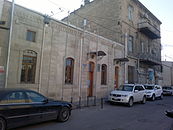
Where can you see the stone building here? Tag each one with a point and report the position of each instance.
(167, 73)
(57, 59)
(130, 23)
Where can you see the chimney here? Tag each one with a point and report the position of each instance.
(86, 2)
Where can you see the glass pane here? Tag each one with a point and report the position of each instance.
(34, 97)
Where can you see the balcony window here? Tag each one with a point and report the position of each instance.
(130, 12)
(142, 47)
(130, 44)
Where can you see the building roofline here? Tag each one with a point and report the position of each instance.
(67, 24)
(136, 1)
(147, 10)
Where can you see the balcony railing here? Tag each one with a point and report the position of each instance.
(149, 30)
(150, 59)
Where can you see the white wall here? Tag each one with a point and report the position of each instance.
(1, 6)
(167, 73)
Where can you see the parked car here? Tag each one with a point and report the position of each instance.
(168, 90)
(20, 107)
(169, 113)
(128, 94)
(153, 91)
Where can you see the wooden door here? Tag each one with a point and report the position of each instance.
(91, 78)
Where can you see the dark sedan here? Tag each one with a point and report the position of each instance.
(20, 107)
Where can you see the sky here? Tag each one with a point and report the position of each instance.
(162, 9)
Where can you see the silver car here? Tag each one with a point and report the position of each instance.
(128, 94)
(167, 90)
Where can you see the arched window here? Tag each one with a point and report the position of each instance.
(28, 66)
(104, 74)
(69, 69)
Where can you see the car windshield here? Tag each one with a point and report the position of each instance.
(126, 88)
(149, 87)
(168, 88)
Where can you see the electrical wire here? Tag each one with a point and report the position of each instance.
(83, 17)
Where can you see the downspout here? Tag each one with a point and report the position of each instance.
(9, 44)
(45, 22)
(80, 64)
(96, 68)
(125, 56)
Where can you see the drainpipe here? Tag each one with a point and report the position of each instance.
(9, 43)
(96, 68)
(81, 56)
(125, 55)
(45, 23)
(80, 65)
(64, 59)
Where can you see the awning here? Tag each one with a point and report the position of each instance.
(98, 53)
(121, 59)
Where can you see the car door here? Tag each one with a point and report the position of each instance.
(15, 108)
(156, 89)
(142, 92)
(160, 91)
(35, 100)
(42, 109)
(136, 94)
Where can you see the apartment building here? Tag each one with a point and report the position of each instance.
(167, 73)
(130, 23)
(55, 58)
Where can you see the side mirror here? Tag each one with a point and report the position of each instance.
(136, 91)
(45, 101)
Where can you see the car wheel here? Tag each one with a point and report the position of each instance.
(153, 97)
(2, 124)
(130, 103)
(144, 100)
(161, 96)
(64, 114)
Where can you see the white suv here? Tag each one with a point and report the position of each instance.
(153, 91)
(128, 93)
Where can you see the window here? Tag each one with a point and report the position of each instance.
(130, 44)
(69, 69)
(14, 97)
(104, 75)
(28, 67)
(35, 97)
(142, 47)
(130, 12)
(131, 74)
(30, 36)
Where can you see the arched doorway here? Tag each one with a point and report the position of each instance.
(116, 77)
(91, 78)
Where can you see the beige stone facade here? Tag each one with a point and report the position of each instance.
(130, 23)
(1, 6)
(167, 73)
(53, 43)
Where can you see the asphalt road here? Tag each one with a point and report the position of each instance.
(149, 116)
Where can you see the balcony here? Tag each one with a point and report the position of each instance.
(150, 59)
(149, 30)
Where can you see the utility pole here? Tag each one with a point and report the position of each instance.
(9, 44)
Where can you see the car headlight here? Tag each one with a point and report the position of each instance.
(124, 95)
(111, 94)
